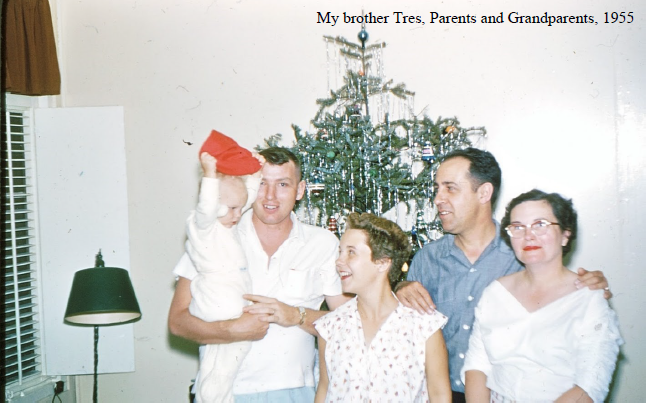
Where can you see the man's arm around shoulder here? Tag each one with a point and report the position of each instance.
(413, 295)
(181, 323)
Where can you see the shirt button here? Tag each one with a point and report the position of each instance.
(473, 269)
(465, 327)
(470, 298)
(458, 382)
(461, 355)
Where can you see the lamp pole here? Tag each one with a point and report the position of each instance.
(95, 393)
(98, 262)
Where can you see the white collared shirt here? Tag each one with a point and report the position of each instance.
(301, 273)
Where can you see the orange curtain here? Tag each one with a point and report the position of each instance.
(31, 64)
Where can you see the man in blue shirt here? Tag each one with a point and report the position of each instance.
(451, 272)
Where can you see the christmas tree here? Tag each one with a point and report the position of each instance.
(367, 150)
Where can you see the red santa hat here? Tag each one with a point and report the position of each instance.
(231, 158)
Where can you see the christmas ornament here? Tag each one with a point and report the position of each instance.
(363, 36)
(316, 186)
(402, 275)
(331, 224)
(450, 129)
(427, 152)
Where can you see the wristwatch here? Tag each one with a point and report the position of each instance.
(302, 311)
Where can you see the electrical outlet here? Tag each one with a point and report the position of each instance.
(58, 387)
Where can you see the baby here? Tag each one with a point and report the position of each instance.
(222, 278)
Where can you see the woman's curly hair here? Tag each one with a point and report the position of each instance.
(385, 240)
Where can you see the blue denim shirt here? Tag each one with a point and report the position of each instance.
(456, 286)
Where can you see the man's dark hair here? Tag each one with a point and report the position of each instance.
(562, 208)
(483, 168)
(280, 156)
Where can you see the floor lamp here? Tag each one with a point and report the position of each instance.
(101, 296)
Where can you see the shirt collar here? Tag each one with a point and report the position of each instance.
(499, 243)
(296, 233)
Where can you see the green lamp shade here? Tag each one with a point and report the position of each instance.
(102, 296)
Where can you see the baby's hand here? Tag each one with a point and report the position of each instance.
(262, 161)
(208, 164)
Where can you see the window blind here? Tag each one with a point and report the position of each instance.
(21, 330)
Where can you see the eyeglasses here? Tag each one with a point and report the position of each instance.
(538, 228)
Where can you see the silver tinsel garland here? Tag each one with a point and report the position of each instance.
(367, 151)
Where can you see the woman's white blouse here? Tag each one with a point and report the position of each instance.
(540, 355)
(391, 368)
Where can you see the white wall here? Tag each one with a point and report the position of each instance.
(565, 108)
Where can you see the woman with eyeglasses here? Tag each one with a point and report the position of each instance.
(536, 337)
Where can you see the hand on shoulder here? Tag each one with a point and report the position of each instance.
(413, 295)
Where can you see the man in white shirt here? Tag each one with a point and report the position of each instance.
(292, 271)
